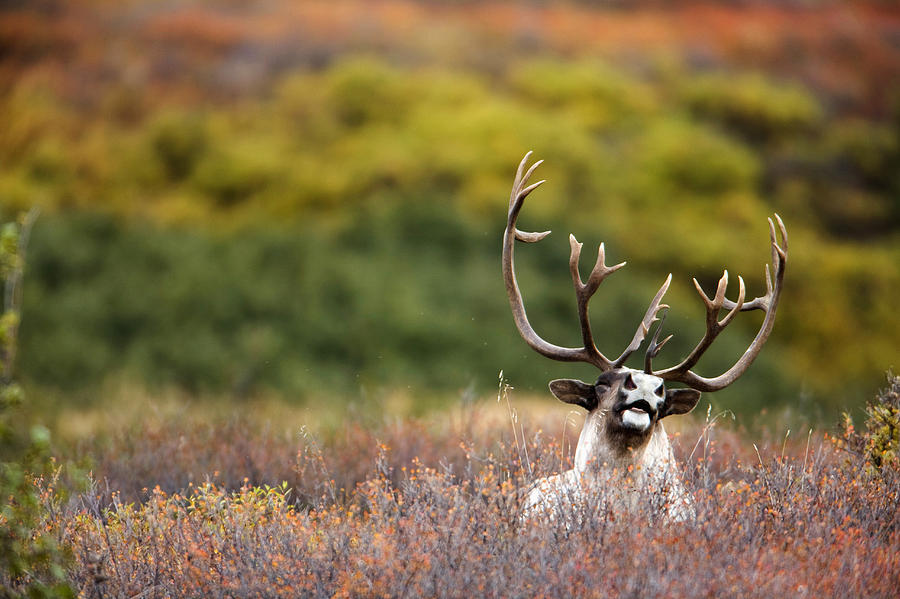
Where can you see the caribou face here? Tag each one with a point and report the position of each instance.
(624, 405)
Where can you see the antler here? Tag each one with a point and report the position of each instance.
(768, 303)
(583, 291)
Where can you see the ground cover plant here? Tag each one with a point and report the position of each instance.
(429, 507)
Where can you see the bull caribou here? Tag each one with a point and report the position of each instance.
(623, 454)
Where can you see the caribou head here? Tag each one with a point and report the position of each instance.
(625, 406)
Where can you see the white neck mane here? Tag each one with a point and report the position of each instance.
(618, 479)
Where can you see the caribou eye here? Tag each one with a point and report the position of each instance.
(660, 390)
(629, 382)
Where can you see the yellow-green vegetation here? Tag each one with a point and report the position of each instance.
(32, 561)
(878, 444)
(343, 230)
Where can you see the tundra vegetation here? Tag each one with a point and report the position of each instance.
(429, 507)
(256, 216)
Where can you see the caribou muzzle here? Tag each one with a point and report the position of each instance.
(637, 414)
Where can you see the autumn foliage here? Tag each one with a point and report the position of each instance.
(364, 516)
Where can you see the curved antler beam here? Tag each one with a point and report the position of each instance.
(589, 352)
(584, 291)
(768, 303)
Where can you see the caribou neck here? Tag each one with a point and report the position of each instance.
(595, 454)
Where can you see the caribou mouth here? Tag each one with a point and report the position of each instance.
(641, 406)
(637, 415)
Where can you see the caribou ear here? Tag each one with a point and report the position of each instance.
(680, 401)
(575, 392)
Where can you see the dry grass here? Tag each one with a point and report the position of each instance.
(429, 508)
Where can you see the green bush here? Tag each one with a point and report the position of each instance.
(178, 141)
(753, 105)
(352, 173)
(406, 296)
(878, 445)
(32, 561)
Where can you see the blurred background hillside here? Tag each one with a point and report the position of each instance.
(305, 200)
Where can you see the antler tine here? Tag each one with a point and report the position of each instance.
(655, 345)
(768, 303)
(779, 255)
(714, 326)
(589, 352)
(518, 194)
(644, 326)
(517, 200)
(518, 180)
(600, 270)
(584, 291)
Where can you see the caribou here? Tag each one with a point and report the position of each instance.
(623, 456)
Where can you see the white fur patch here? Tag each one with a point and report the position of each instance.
(637, 419)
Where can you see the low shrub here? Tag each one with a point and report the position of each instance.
(877, 446)
(369, 518)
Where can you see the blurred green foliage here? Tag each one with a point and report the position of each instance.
(32, 559)
(753, 106)
(344, 229)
